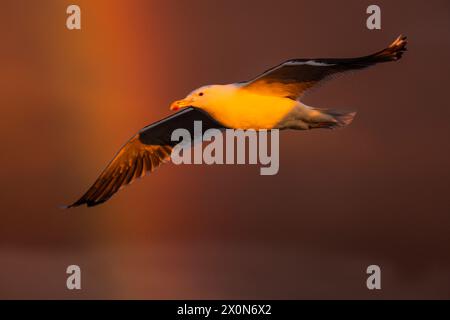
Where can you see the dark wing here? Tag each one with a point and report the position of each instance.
(293, 77)
(146, 151)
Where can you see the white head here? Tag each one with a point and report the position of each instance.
(202, 97)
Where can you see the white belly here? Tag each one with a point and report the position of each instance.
(245, 110)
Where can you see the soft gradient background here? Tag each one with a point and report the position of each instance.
(376, 192)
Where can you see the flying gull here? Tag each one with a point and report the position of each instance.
(269, 101)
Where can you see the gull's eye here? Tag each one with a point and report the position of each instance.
(200, 94)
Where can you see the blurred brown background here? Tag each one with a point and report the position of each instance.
(376, 192)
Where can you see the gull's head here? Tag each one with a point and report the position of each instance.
(202, 98)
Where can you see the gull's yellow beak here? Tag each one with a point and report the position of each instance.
(180, 104)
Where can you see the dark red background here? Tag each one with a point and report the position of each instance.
(376, 192)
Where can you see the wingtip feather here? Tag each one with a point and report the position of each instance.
(395, 50)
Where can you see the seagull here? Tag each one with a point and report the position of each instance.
(269, 101)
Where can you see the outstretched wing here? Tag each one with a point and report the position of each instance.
(143, 153)
(293, 77)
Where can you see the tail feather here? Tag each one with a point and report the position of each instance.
(335, 119)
